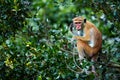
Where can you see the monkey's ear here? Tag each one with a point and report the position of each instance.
(84, 20)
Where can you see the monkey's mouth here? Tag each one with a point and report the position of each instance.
(78, 27)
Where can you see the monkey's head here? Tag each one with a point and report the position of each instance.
(78, 22)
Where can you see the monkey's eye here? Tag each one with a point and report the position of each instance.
(77, 22)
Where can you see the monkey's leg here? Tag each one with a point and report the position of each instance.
(80, 48)
(89, 51)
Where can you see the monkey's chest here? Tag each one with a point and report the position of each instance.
(80, 33)
(91, 43)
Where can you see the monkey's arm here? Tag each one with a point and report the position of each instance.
(85, 38)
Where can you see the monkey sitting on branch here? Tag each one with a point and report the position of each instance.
(88, 37)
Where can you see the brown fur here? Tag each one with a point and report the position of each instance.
(89, 30)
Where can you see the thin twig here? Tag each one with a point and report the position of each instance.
(81, 70)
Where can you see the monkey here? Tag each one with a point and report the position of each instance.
(88, 38)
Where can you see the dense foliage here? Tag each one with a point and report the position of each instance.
(35, 41)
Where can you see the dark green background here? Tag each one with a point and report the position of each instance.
(35, 39)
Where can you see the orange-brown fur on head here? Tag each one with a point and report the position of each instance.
(78, 19)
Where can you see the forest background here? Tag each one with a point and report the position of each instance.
(35, 41)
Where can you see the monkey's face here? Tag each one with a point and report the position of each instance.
(78, 22)
(78, 25)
